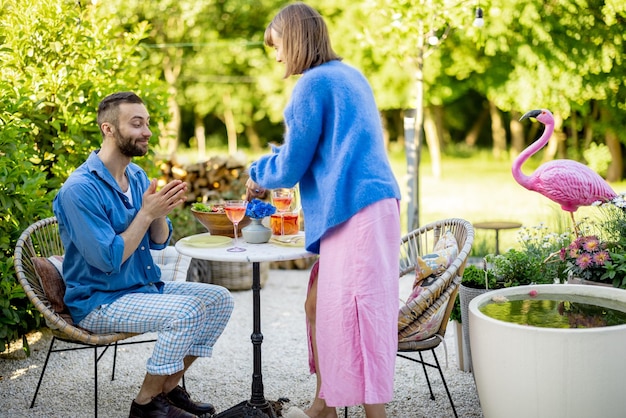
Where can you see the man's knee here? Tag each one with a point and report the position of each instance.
(223, 298)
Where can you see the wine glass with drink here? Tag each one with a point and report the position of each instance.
(282, 198)
(235, 210)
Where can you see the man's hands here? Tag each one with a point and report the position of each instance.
(155, 206)
(158, 204)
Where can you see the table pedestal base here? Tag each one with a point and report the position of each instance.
(257, 405)
(246, 409)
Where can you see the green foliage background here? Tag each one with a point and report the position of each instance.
(58, 61)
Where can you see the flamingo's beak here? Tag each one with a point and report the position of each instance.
(531, 114)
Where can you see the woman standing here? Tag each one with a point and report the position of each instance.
(334, 149)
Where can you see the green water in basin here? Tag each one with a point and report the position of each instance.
(557, 311)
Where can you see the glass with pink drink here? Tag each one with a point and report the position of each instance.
(235, 210)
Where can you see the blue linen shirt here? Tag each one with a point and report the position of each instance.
(92, 212)
(333, 147)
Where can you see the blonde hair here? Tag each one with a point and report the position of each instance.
(306, 43)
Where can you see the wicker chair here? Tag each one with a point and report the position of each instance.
(435, 299)
(42, 240)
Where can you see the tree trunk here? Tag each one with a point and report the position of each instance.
(384, 123)
(442, 132)
(589, 124)
(517, 135)
(168, 141)
(229, 122)
(433, 141)
(396, 120)
(498, 132)
(200, 134)
(574, 140)
(414, 136)
(616, 167)
(253, 137)
(472, 136)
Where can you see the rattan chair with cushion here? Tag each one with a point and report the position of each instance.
(37, 257)
(423, 320)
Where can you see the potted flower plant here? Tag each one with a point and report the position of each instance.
(597, 254)
(256, 232)
(586, 258)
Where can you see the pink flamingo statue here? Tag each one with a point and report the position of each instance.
(566, 182)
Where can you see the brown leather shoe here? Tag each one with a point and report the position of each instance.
(158, 407)
(180, 397)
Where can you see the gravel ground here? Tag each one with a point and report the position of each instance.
(225, 380)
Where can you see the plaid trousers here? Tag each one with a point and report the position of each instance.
(187, 317)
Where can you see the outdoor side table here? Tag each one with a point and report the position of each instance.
(497, 226)
(257, 405)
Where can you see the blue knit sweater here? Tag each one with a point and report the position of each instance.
(333, 147)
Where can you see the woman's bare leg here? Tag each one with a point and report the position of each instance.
(318, 409)
(375, 410)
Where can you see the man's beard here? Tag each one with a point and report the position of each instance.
(127, 146)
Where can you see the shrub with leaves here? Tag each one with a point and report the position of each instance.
(517, 268)
(544, 246)
(60, 60)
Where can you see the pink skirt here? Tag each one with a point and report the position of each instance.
(357, 307)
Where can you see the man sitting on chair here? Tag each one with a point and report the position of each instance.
(110, 217)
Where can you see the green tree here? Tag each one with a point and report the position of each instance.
(210, 54)
(59, 59)
(565, 55)
(413, 32)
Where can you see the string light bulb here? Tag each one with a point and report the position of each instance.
(479, 22)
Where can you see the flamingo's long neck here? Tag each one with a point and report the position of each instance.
(516, 168)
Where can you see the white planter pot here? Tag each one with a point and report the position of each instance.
(458, 337)
(466, 294)
(525, 371)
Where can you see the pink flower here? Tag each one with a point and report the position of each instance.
(584, 260)
(586, 257)
(601, 257)
(591, 244)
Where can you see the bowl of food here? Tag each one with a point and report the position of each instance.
(214, 219)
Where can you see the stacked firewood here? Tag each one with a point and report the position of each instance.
(219, 178)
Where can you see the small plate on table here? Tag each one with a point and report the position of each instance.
(288, 240)
(205, 240)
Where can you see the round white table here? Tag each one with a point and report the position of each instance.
(257, 405)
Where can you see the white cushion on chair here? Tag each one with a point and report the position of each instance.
(173, 264)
